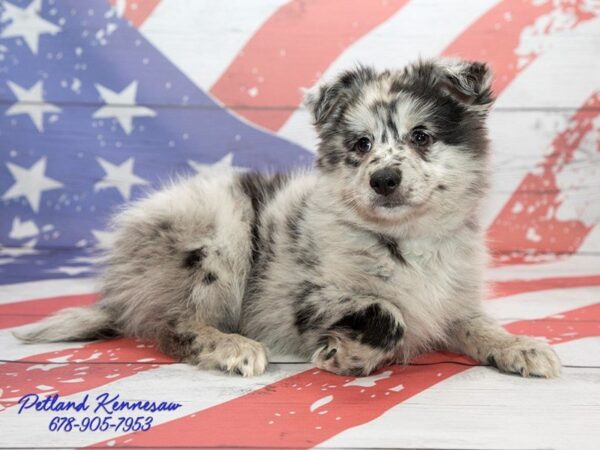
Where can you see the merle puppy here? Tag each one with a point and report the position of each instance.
(372, 258)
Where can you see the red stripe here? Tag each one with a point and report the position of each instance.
(496, 35)
(507, 19)
(20, 378)
(21, 313)
(501, 289)
(280, 415)
(138, 11)
(525, 211)
(292, 49)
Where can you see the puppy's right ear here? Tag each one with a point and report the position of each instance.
(321, 101)
(326, 100)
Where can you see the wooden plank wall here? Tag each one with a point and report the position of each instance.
(252, 59)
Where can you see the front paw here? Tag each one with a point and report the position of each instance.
(242, 356)
(344, 356)
(526, 356)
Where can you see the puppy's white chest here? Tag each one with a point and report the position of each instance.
(425, 289)
(427, 272)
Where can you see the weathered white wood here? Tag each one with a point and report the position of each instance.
(582, 352)
(592, 243)
(422, 28)
(11, 349)
(534, 305)
(202, 37)
(482, 409)
(10, 293)
(561, 76)
(570, 266)
(521, 145)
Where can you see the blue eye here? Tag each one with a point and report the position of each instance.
(363, 145)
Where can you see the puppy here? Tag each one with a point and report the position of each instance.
(372, 258)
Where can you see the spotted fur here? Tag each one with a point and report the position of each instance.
(353, 270)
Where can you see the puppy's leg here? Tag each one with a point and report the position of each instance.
(361, 341)
(483, 339)
(206, 347)
(177, 272)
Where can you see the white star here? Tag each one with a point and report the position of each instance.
(26, 23)
(224, 165)
(30, 102)
(30, 182)
(122, 106)
(120, 177)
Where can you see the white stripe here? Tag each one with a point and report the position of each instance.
(481, 408)
(562, 76)
(12, 349)
(421, 28)
(195, 389)
(572, 266)
(519, 141)
(580, 352)
(10, 293)
(535, 305)
(203, 37)
(592, 244)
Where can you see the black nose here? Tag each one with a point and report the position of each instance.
(385, 181)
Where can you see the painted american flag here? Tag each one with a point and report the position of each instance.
(101, 100)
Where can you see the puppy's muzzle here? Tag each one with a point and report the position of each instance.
(385, 181)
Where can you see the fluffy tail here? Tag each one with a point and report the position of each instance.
(71, 324)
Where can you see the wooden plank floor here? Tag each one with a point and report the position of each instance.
(441, 401)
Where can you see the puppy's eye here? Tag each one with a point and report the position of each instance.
(363, 145)
(420, 138)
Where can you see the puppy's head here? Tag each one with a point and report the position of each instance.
(398, 144)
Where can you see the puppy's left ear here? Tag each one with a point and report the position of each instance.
(470, 82)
